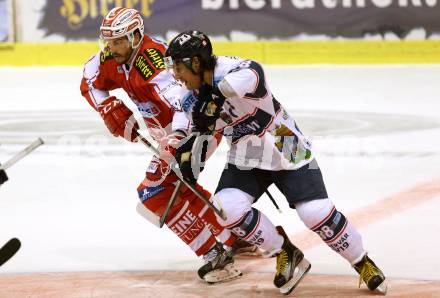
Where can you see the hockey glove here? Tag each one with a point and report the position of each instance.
(168, 145)
(189, 160)
(117, 118)
(207, 109)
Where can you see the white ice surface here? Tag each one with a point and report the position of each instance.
(376, 132)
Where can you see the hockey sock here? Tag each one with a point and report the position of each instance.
(332, 226)
(255, 228)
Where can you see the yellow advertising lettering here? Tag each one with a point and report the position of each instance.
(68, 10)
(105, 55)
(143, 67)
(105, 5)
(77, 11)
(155, 57)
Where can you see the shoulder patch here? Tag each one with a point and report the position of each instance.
(143, 67)
(105, 55)
(155, 57)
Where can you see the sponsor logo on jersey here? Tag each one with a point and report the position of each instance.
(152, 167)
(155, 57)
(147, 109)
(188, 227)
(105, 55)
(143, 67)
(254, 124)
(149, 192)
(249, 126)
(167, 88)
(188, 100)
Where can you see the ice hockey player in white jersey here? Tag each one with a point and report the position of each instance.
(230, 95)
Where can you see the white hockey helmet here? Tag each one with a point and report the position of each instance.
(120, 22)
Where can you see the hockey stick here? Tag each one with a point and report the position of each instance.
(176, 170)
(9, 249)
(17, 157)
(170, 203)
(273, 200)
(22, 153)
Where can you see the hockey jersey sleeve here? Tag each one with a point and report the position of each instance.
(245, 81)
(96, 84)
(171, 92)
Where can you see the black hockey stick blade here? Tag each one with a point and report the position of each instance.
(3, 176)
(9, 249)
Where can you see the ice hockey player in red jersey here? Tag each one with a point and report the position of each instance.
(231, 96)
(133, 61)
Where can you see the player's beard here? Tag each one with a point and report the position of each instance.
(123, 59)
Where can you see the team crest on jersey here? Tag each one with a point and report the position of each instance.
(143, 67)
(288, 144)
(155, 57)
(105, 55)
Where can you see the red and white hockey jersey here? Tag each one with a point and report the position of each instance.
(146, 81)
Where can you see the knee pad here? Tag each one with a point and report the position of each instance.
(235, 203)
(247, 222)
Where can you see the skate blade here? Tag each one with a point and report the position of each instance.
(228, 273)
(300, 271)
(382, 288)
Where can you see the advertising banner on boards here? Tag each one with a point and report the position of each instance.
(4, 21)
(80, 19)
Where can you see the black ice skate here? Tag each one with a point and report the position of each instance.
(244, 248)
(291, 266)
(219, 266)
(371, 275)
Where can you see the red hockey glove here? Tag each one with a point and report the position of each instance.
(117, 118)
(168, 145)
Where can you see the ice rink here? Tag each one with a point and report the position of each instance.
(376, 135)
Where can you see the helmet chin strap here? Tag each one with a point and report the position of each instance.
(133, 47)
(131, 40)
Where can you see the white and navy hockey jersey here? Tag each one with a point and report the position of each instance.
(259, 130)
